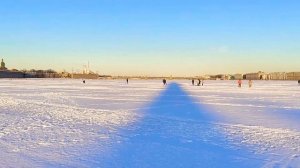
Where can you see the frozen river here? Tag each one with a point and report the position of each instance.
(103, 123)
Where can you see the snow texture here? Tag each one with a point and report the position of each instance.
(108, 123)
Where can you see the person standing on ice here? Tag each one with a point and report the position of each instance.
(164, 81)
(199, 82)
(127, 80)
(298, 82)
(83, 81)
(250, 83)
(193, 82)
(240, 83)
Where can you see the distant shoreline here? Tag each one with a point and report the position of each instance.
(14, 74)
(124, 78)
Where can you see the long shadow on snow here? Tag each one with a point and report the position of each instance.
(174, 132)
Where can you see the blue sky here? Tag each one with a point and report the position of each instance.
(151, 37)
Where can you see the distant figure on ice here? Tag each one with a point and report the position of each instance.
(240, 83)
(193, 82)
(164, 81)
(199, 82)
(250, 83)
(83, 81)
(127, 80)
(298, 82)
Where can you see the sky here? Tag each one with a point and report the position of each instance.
(151, 37)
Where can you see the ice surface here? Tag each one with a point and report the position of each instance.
(107, 123)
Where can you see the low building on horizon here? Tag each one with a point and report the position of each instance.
(84, 76)
(5, 73)
(238, 76)
(293, 76)
(257, 76)
(222, 77)
(278, 76)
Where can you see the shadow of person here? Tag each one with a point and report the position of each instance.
(175, 103)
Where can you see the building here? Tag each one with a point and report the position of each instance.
(293, 76)
(238, 76)
(220, 77)
(65, 75)
(84, 76)
(277, 76)
(11, 74)
(2, 67)
(14, 73)
(257, 76)
(202, 77)
(4, 73)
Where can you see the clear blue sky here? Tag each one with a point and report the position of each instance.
(151, 37)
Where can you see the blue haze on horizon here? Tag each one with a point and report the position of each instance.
(151, 37)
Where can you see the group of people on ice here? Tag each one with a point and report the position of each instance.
(200, 82)
(240, 82)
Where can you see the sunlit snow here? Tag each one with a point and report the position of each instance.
(107, 123)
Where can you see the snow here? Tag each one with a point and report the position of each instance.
(107, 123)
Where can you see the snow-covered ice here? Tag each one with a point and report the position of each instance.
(107, 123)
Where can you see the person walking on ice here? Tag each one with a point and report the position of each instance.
(164, 81)
(193, 82)
(250, 83)
(240, 83)
(199, 82)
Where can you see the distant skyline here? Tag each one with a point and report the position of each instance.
(151, 37)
